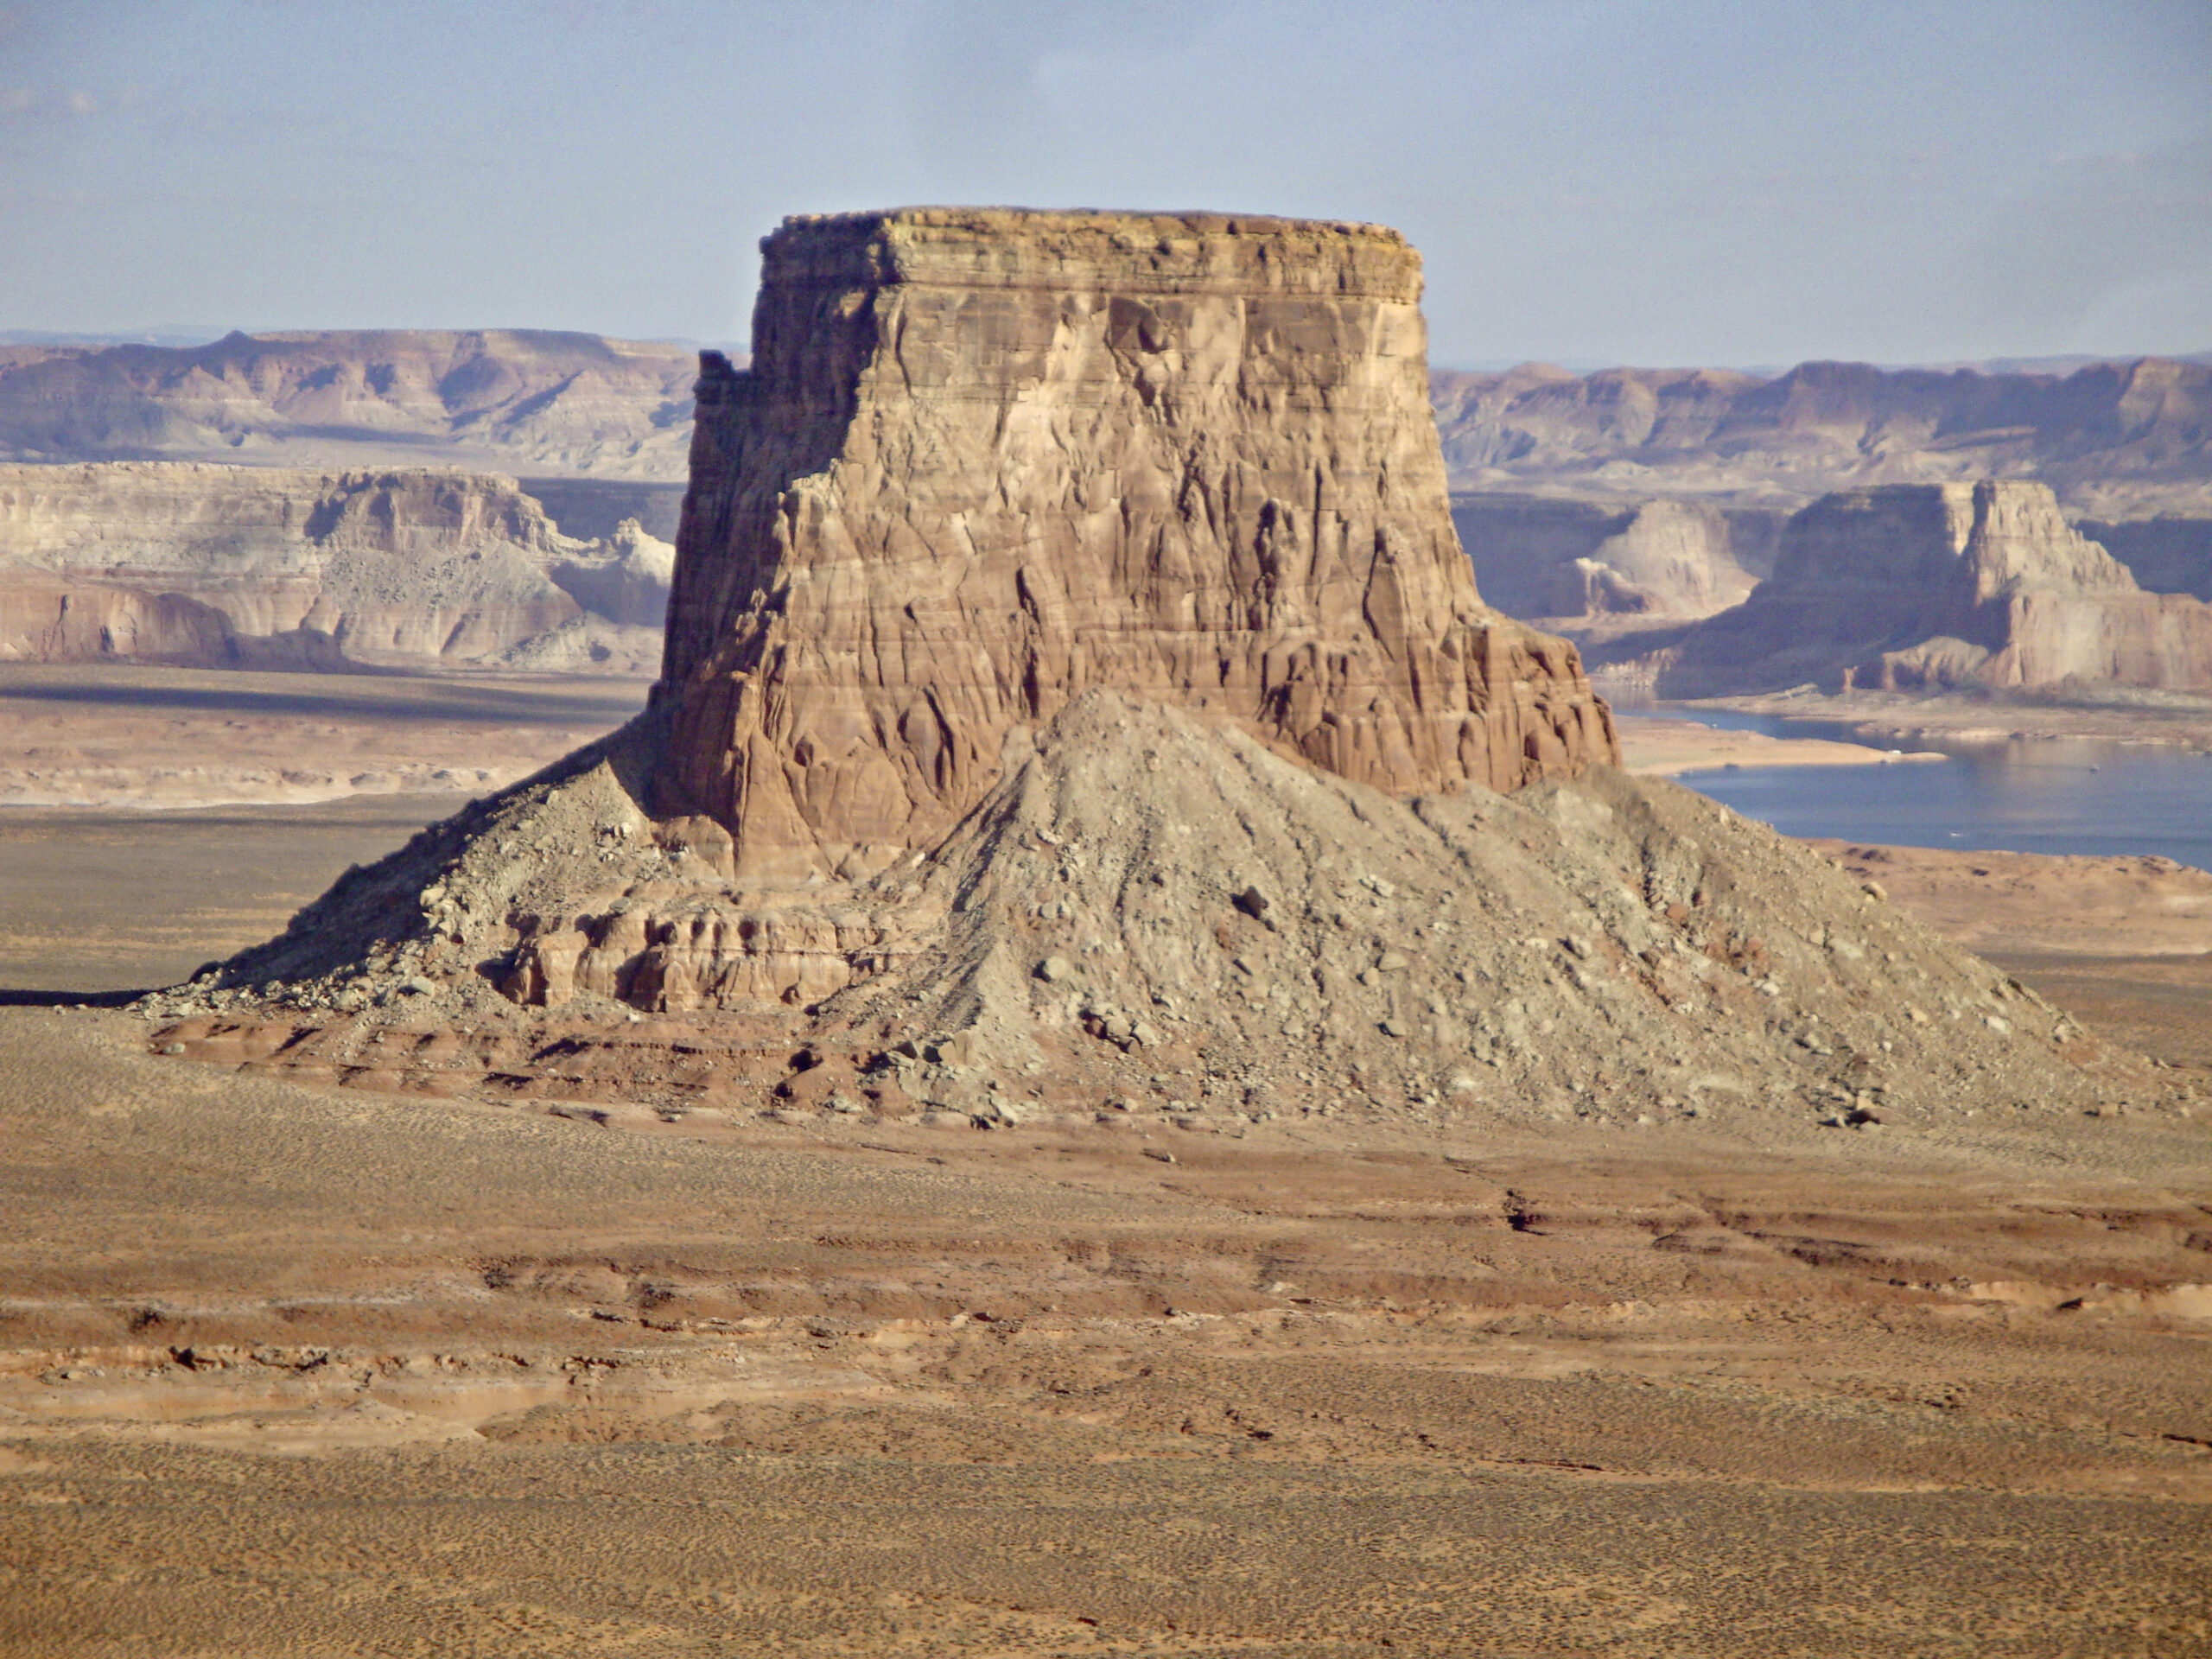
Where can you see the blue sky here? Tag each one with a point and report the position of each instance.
(1590, 183)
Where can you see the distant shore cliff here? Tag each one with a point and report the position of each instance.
(274, 567)
(1934, 586)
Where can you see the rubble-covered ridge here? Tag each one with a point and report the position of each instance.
(984, 461)
(1153, 909)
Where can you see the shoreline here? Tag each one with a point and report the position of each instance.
(2169, 720)
(1666, 745)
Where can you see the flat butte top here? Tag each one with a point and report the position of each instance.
(1025, 247)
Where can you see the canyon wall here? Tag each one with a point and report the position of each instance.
(238, 566)
(984, 461)
(2115, 440)
(503, 400)
(1566, 561)
(1930, 587)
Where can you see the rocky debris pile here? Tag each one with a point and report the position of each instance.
(984, 461)
(1144, 884)
(1934, 586)
(1152, 912)
(266, 567)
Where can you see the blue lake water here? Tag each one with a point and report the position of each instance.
(2021, 795)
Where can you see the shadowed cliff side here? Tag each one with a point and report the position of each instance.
(986, 459)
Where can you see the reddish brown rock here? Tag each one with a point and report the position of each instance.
(984, 461)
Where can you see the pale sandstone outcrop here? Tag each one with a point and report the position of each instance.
(1562, 561)
(265, 566)
(1931, 586)
(625, 578)
(986, 460)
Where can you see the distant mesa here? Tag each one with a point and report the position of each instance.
(1934, 586)
(233, 567)
(513, 401)
(2114, 440)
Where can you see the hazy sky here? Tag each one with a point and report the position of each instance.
(1685, 182)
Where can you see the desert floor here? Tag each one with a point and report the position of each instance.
(137, 737)
(291, 1372)
(1887, 719)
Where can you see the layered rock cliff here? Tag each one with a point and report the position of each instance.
(1569, 561)
(2116, 439)
(984, 461)
(223, 566)
(1927, 587)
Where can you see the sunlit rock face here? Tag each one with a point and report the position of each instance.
(984, 459)
(1931, 586)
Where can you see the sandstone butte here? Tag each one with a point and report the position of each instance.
(1931, 586)
(1102, 567)
(984, 461)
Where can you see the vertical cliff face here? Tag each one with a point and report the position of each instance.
(226, 566)
(1925, 586)
(984, 461)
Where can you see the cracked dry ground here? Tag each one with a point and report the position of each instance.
(294, 1372)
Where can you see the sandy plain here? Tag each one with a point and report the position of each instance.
(146, 737)
(1668, 747)
(295, 1371)
(1884, 719)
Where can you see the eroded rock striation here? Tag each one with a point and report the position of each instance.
(1926, 587)
(984, 461)
(273, 567)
